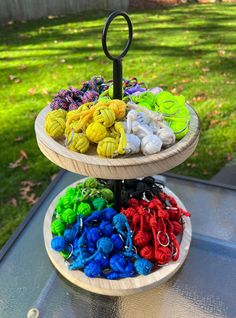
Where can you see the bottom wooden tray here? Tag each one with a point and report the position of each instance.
(125, 286)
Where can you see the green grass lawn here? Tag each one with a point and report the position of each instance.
(185, 49)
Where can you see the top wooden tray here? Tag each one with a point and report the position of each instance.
(130, 167)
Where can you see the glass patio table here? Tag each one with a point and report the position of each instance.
(204, 287)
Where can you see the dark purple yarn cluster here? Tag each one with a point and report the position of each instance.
(72, 98)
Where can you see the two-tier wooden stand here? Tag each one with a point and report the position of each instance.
(117, 169)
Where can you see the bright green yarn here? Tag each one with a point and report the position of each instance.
(107, 194)
(57, 227)
(65, 254)
(91, 183)
(180, 126)
(99, 203)
(146, 99)
(84, 209)
(70, 192)
(69, 216)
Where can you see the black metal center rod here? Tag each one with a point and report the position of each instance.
(117, 78)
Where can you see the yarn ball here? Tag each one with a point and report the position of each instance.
(177, 227)
(118, 243)
(93, 235)
(96, 132)
(93, 269)
(69, 216)
(91, 183)
(57, 227)
(167, 136)
(148, 252)
(106, 228)
(102, 259)
(78, 264)
(84, 209)
(133, 144)
(89, 96)
(107, 194)
(119, 221)
(141, 238)
(99, 203)
(55, 123)
(118, 263)
(69, 235)
(151, 144)
(143, 266)
(108, 214)
(78, 142)
(104, 115)
(118, 107)
(105, 245)
(107, 147)
(58, 243)
(163, 255)
(179, 125)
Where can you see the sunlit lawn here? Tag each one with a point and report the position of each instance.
(186, 49)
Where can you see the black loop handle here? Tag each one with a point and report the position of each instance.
(111, 17)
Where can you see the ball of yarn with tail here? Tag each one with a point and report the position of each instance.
(93, 235)
(99, 203)
(141, 238)
(179, 125)
(55, 123)
(105, 245)
(106, 228)
(163, 255)
(133, 144)
(118, 263)
(148, 252)
(69, 216)
(78, 142)
(89, 96)
(151, 144)
(96, 132)
(84, 209)
(91, 183)
(104, 116)
(58, 243)
(108, 147)
(57, 227)
(107, 194)
(143, 266)
(119, 108)
(93, 269)
(117, 242)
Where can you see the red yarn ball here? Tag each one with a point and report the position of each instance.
(148, 252)
(163, 255)
(129, 213)
(141, 238)
(177, 227)
(133, 202)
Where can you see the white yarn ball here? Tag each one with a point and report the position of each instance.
(141, 130)
(142, 118)
(131, 117)
(133, 144)
(151, 144)
(167, 136)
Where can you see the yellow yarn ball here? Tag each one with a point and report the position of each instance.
(104, 116)
(55, 123)
(119, 108)
(96, 132)
(78, 142)
(107, 147)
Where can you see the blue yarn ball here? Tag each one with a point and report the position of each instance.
(93, 269)
(58, 243)
(91, 247)
(69, 235)
(93, 235)
(118, 263)
(117, 242)
(108, 214)
(103, 260)
(143, 266)
(129, 268)
(106, 228)
(119, 221)
(78, 264)
(105, 245)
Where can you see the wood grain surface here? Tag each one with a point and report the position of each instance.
(134, 166)
(122, 287)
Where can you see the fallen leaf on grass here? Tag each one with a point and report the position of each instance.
(17, 163)
(88, 58)
(205, 69)
(229, 157)
(19, 138)
(32, 91)
(22, 67)
(26, 191)
(25, 167)
(12, 77)
(200, 97)
(45, 91)
(13, 202)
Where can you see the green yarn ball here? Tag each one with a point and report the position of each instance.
(70, 192)
(180, 126)
(107, 194)
(57, 227)
(91, 183)
(67, 201)
(69, 216)
(99, 203)
(84, 209)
